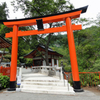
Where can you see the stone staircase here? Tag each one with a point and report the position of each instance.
(40, 83)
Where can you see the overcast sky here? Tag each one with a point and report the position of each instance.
(92, 11)
(93, 7)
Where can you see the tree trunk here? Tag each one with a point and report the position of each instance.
(46, 55)
(47, 46)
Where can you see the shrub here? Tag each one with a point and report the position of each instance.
(87, 80)
(4, 81)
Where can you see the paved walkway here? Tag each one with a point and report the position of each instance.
(87, 95)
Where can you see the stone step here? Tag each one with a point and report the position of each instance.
(46, 87)
(34, 75)
(37, 75)
(40, 83)
(46, 83)
(30, 79)
(48, 91)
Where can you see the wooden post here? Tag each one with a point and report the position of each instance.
(73, 58)
(13, 69)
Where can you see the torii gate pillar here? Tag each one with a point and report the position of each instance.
(13, 69)
(73, 58)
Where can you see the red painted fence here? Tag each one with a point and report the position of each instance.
(5, 70)
(86, 78)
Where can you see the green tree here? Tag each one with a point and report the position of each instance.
(3, 11)
(43, 7)
(88, 48)
(87, 43)
(25, 45)
(3, 16)
(3, 29)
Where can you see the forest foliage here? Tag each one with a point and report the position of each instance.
(87, 49)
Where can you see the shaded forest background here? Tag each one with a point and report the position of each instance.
(87, 41)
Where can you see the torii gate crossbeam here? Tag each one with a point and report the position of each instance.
(39, 21)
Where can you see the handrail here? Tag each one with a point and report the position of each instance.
(64, 74)
(67, 80)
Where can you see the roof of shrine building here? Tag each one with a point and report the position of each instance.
(41, 48)
(4, 43)
(82, 9)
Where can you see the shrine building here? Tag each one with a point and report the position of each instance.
(38, 54)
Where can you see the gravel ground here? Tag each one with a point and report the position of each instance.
(86, 95)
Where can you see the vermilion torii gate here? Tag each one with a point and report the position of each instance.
(39, 21)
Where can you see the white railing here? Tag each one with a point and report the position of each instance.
(48, 70)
